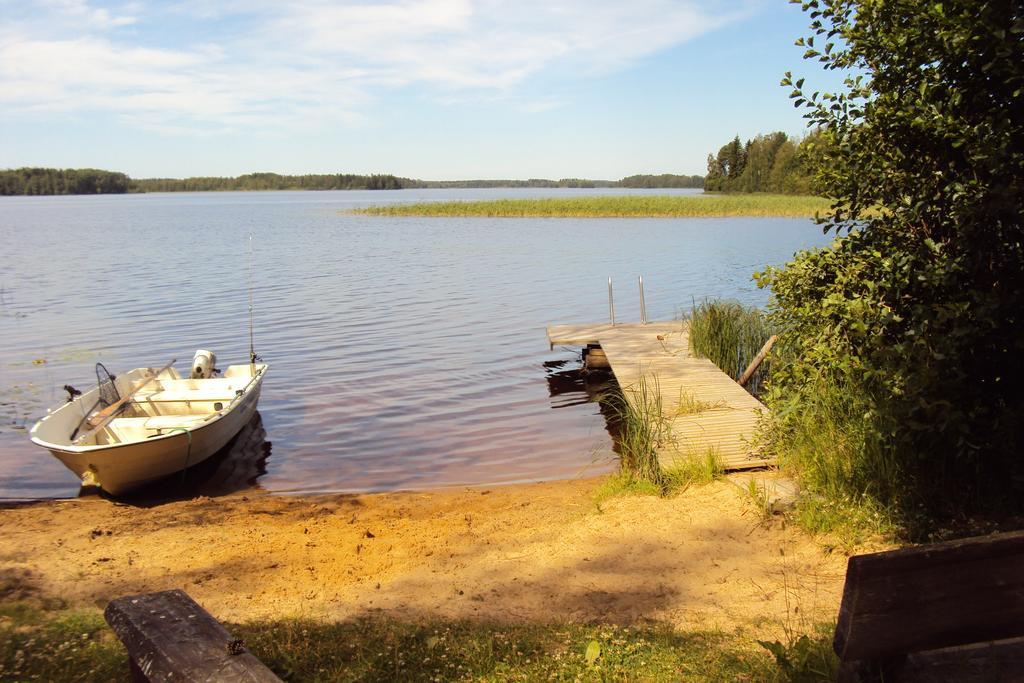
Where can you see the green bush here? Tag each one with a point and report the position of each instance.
(906, 334)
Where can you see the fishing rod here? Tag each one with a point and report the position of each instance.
(252, 348)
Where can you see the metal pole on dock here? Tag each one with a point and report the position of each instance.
(643, 306)
(611, 303)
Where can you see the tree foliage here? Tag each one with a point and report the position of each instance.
(662, 180)
(766, 163)
(35, 181)
(913, 318)
(275, 181)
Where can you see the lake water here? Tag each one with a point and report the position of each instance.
(404, 352)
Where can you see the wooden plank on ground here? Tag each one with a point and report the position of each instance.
(658, 354)
(1002, 660)
(932, 597)
(778, 492)
(169, 637)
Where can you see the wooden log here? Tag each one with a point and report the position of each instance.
(931, 597)
(169, 637)
(758, 359)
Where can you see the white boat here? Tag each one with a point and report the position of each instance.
(161, 423)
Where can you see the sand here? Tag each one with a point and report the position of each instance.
(540, 552)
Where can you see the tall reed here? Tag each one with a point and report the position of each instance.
(730, 334)
(641, 429)
(692, 206)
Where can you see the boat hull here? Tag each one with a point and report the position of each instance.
(119, 468)
(125, 467)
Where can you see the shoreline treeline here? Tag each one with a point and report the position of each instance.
(272, 181)
(53, 181)
(665, 180)
(772, 163)
(38, 181)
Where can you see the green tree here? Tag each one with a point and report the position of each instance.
(759, 158)
(765, 163)
(733, 158)
(908, 331)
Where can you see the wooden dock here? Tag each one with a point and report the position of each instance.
(659, 353)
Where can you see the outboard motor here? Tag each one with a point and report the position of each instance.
(203, 365)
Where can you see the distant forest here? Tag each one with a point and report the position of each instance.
(63, 181)
(663, 180)
(767, 163)
(46, 181)
(274, 181)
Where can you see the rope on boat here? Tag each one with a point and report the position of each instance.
(188, 451)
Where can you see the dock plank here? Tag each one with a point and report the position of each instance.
(659, 352)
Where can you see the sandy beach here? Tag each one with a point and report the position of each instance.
(540, 552)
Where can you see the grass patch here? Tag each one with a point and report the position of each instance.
(846, 522)
(703, 206)
(805, 657)
(758, 496)
(388, 650)
(624, 484)
(688, 404)
(64, 645)
(827, 438)
(694, 468)
(70, 645)
(730, 334)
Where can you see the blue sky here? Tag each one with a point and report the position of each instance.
(436, 89)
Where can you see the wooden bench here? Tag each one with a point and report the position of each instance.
(169, 637)
(944, 612)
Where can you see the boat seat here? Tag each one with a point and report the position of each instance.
(162, 421)
(136, 428)
(185, 395)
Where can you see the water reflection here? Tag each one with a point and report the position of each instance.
(234, 468)
(571, 383)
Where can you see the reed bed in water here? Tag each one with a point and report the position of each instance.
(642, 429)
(693, 206)
(730, 334)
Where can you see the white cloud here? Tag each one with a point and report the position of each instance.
(79, 11)
(538, 106)
(492, 44)
(270, 64)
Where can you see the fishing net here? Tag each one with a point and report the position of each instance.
(107, 395)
